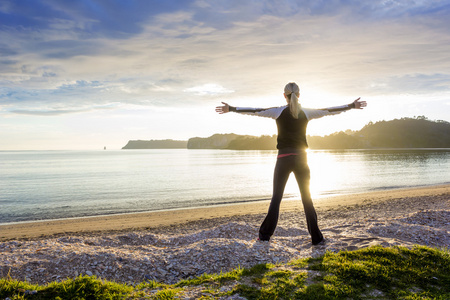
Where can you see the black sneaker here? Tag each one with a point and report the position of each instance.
(321, 242)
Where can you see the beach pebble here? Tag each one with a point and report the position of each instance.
(148, 277)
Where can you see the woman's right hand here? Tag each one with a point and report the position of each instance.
(223, 109)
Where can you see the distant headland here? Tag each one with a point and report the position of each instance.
(156, 144)
(418, 132)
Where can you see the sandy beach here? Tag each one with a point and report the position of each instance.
(172, 245)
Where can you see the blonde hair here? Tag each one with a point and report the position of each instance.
(292, 92)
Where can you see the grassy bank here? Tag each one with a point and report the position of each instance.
(371, 273)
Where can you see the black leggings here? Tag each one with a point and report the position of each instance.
(285, 165)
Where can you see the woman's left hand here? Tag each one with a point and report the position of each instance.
(359, 104)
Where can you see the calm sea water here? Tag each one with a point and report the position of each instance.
(37, 185)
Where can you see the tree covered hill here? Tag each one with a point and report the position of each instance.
(406, 132)
(416, 132)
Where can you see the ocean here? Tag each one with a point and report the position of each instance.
(43, 185)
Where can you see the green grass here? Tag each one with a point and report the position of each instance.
(82, 287)
(371, 273)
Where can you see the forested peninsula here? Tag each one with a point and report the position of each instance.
(418, 132)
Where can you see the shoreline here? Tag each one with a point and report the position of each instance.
(154, 219)
(188, 243)
(316, 200)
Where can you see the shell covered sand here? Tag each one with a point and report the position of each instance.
(168, 254)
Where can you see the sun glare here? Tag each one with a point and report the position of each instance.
(324, 172)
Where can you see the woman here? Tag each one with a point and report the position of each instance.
(292, 121)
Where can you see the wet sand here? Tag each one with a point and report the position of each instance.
(137, 221)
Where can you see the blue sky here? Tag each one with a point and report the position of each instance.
(88, 74)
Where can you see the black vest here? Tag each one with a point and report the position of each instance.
(291, 131)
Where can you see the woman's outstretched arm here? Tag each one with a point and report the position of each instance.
(273, 112)
(318, 113)
(358, 104)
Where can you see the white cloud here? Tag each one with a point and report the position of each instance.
(208, 89)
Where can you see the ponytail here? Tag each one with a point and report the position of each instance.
(292, 92)
(294, 106)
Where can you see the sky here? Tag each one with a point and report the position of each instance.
(92, 74)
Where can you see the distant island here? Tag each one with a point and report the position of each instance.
(418, 132)
(156, 144)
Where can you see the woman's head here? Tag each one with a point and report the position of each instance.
(292, 93)
(290, 88)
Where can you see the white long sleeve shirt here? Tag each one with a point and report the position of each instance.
(291, 131)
